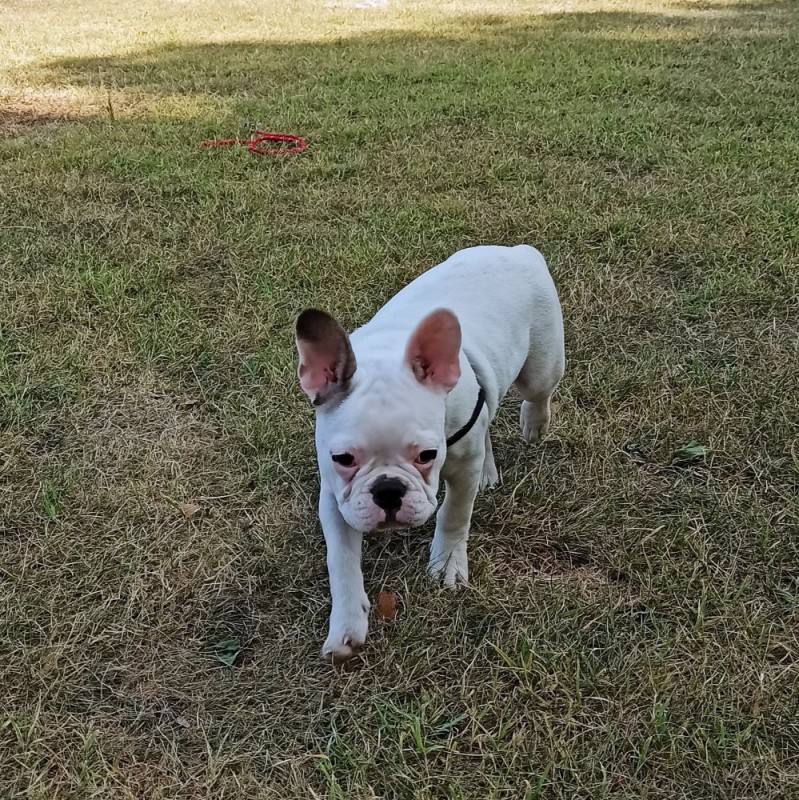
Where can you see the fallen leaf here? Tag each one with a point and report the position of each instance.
(189, 509)
(226, 650)
(182, 721)
(387, 606)
(689, 453)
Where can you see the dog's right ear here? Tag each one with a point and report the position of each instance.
(327, 362)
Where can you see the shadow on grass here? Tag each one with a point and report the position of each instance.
(573, 50)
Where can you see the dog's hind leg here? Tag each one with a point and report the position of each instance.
(534, 418)
(536, 383)
(490, 475)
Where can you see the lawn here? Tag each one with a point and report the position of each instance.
(632, 627)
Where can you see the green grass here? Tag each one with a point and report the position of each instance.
(631, 630)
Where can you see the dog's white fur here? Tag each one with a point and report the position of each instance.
(410, 380)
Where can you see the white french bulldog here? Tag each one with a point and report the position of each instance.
(409, 397)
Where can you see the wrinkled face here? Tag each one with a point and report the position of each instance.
(380, 434)
(382, 454)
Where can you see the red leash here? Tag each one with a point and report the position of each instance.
(262, 136)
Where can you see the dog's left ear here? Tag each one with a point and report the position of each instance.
(326, 359)
(433, 351)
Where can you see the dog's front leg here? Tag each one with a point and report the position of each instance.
(349, 616)
(448, 551)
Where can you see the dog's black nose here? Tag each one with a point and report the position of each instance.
(388, 493)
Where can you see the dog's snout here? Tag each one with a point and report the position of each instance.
(388, 493)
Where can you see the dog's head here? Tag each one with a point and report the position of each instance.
(380, 434)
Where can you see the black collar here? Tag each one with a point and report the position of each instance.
(458, 435)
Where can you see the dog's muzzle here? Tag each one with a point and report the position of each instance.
(387, 494)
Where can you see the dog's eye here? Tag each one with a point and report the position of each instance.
(426, 456)
(344, 459)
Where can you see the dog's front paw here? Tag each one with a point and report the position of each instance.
(339, 648)
(449, 565)
(347, 634)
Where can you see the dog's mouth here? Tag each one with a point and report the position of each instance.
(390, 524)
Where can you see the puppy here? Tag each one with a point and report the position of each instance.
(407, 400)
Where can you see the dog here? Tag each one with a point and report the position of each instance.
(407, 400)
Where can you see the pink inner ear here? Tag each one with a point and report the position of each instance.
(317, 366)
(326, 357)
(433, 351)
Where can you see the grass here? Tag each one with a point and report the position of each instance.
(631, 630)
